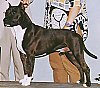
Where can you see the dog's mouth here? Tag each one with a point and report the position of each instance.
(7, 25)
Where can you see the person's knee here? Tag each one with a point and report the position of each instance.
(60, 76)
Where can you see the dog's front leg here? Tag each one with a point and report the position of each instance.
(28, 70)
(23, 59)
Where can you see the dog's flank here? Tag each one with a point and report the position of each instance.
(38, 40)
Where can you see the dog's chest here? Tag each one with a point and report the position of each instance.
(19, 34)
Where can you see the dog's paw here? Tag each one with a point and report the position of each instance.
(24, 79)
(84, 85)
(78, 82)
(87, 84)
(99, 82)
(27, 81)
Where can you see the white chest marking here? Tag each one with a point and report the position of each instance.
(19, 34)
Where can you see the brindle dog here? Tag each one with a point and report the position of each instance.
(38, 40)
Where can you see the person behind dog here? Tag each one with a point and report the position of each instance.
(8, 45)
(61, 66)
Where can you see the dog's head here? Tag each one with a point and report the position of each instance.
(13, 15)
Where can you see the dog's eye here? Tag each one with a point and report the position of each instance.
(13, 12)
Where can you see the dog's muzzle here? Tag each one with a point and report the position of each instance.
(6, 22)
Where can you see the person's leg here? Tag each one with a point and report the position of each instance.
(5, 44)
(59, 73)
(18, 66)
(72, 71)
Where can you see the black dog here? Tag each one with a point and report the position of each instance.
(38, 40)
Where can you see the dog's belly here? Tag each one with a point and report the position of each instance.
(19, 34)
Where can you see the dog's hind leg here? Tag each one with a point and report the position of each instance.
(86, 70)
(73, 60)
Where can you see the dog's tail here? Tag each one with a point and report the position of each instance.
(89, 53)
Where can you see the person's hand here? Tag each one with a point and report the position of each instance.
(66, 27)
(25, 3)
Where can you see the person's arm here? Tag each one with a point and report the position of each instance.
(73, 12)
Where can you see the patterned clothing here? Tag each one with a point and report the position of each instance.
(65, 5)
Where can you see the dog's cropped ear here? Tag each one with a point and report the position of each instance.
(21, 6)
(9, 4)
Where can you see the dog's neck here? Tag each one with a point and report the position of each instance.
(25, 21)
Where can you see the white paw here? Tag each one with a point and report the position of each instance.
(99, 82)
(24, 79)
(84, 85)
(78, 82)
(27, 81)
